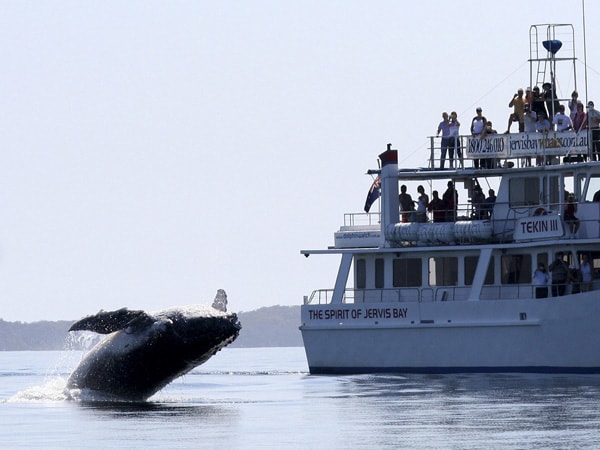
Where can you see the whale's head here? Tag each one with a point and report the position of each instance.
(195, 332)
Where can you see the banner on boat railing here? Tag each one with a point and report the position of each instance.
(527, 144)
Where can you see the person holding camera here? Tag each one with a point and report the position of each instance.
(518, 105)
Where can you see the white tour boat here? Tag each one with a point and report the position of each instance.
(454, 291)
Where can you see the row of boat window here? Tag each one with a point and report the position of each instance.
(445, 270)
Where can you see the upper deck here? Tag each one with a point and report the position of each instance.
(532, 183)
(494, 188)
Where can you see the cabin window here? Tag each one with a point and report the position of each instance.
(555, 190)
(379, 273)
(443, 271)
(516, 269)
(524, 191)
(361, 274)
(593, 188)
(407, 272)
(471, 266)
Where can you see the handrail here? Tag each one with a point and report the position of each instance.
(518, 148)
(508, 292)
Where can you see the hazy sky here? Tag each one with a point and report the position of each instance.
(156, 151)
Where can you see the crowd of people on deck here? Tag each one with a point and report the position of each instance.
(443, 209)
(559, 274)
(534, 112)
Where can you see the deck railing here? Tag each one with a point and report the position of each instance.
(518, 149)
(506, 292)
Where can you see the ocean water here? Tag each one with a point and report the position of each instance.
(265, 398)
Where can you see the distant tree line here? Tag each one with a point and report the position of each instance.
(274, 326)
(43, 335)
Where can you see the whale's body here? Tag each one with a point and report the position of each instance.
(144, 352)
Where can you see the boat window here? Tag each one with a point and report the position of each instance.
(542, 258)
(407, 272)
(443, 271)
(592, 189)
(555, 197)
(516, 269)
(471, 266)
(379, 273)
(594, 259)
(361, 274)
(524, 191)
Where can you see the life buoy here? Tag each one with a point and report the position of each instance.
(540, 212)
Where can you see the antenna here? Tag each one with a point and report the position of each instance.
(584, 51)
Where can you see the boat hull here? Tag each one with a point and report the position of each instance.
(554, 335)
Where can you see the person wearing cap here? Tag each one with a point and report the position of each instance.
(518, 105)
(593, 117)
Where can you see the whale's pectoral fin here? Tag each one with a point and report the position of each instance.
(220, 301)
(106, 322)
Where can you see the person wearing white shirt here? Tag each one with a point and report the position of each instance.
(561, 121)
(540, 281)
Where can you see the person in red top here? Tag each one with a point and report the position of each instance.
(579, 118)
(570, 218)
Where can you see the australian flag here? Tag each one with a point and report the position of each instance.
(373, 194)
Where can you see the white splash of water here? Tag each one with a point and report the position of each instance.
(53, 390)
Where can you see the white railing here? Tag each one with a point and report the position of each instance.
(520, 149)
(429, 294)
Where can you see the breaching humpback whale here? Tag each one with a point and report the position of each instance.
(144, 352)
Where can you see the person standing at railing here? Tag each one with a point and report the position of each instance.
(489, 204)
(561, 121)
(552, 103)
(537, 102)
(407, 205)
(572, 104)
(444, 128)
(478, 124)
(454, 146)
(593, 116)
(586, 274)
(437, 207)
(540, 281)
(560, 275)
(450, 199)
(579, 118)
(478, 204)
(422, 202)
(518, 105)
